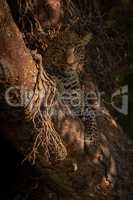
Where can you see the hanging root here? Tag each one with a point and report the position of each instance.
(39, 111)
(39, 108)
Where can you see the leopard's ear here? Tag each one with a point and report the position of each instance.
(86, 39)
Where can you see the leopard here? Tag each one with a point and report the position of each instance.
(64, 61)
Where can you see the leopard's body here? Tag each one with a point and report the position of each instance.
(65, 59)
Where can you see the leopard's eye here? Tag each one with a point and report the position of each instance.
(54, 59)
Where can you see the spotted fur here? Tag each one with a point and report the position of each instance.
(67, 59)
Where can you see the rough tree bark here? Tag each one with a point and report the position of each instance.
(91, 180)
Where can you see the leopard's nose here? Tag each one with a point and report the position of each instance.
(70, 57)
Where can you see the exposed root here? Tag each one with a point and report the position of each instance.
(39, 111)
(39, 108)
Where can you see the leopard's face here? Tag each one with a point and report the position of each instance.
(65, 50)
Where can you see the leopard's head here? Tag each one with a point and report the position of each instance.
(66, 49)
